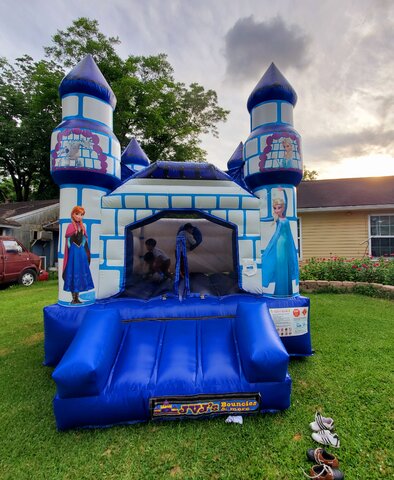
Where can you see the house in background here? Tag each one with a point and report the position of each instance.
(35, 224)
(348, 217)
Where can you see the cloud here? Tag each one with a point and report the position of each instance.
(249, 45)
(335, 147)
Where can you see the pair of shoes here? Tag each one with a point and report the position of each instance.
(322, 431)
(324, 472)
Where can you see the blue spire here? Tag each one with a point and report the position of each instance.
(87, 78)
(236, 159)
(133, 154)
(272, 86)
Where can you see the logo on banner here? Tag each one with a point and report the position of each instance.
(203, 405)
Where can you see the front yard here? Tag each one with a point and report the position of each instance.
(350, 378)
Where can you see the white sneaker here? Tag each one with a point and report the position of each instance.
(325, 437)
(322, 423)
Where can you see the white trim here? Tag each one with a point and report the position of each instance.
(35, 211)
(9, 227)
(370, 236)
(192, 187)
(180, 182)
(299, 237)
(345, 208)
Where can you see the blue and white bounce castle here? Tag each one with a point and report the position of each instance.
(178, 283)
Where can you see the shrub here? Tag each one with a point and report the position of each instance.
(366, 269)
(53, 275)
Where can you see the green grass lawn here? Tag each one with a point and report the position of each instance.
(349, 378)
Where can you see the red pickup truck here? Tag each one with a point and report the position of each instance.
(17, 264)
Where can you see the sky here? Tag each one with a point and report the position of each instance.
(337, 55)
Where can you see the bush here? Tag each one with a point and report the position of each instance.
(366, 269)
(53, 275)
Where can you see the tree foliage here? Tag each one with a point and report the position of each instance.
(29, 108)
(310, 174)
(167, 117)
(7, 192)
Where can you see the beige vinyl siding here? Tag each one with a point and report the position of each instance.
(341, 234)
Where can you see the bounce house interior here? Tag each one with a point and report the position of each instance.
(178, 282)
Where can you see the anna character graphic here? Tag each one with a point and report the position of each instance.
(76, 272)
(280, 260)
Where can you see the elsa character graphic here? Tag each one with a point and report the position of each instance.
(76, 271)
(280, 260)
(288, 147)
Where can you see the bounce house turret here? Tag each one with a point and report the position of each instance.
(273, 149)
(272, 170)
(85, 163)
(236, 160)
(133, 159)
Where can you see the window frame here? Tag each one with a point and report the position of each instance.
(370, 236)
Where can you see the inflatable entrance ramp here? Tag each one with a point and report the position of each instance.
(206, 362)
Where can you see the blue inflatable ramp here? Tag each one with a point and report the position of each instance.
(202, 362)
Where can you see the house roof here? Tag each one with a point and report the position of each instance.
(8, 223)
(346, 192)
(10, 210)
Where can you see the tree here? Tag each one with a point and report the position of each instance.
(28, 110)
(309, 174)
(82, 37)
(166, 116)
(7, 192)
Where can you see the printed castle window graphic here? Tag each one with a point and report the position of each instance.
(281, 152)
(79, 149)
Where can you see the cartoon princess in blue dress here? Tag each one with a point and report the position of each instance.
(280, 260)
(76, 271)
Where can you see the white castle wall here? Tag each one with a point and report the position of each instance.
(140, 199)
(87, 107)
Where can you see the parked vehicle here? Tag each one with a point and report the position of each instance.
(17, 264)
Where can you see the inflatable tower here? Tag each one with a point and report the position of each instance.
(85, 163)
(133, 159)
(272, 170)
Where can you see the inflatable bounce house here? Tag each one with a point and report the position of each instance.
(178, 283)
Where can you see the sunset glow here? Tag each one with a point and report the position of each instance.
(367, 166)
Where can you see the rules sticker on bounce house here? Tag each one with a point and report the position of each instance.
(290, 322)
(204, 405)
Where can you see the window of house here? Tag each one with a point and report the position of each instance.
(382, 235)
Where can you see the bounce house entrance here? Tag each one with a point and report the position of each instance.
(179, 255)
